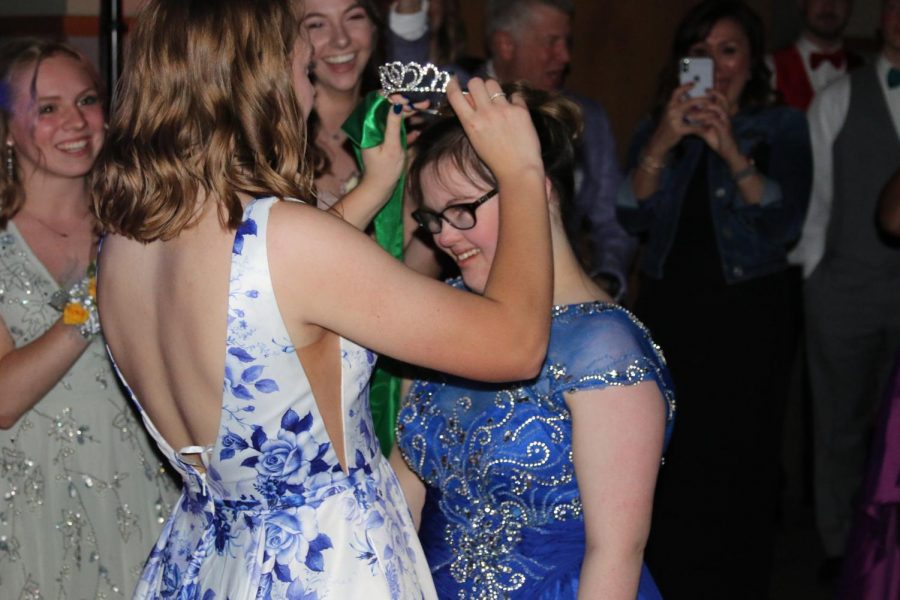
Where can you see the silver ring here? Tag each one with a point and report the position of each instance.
(496, 95)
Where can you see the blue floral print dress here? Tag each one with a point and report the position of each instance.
(272, 514)
(503, 517)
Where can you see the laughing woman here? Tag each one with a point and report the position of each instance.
(344, 35)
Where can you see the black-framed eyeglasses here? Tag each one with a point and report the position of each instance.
(460, 216)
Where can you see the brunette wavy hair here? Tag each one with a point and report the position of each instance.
(206, 110)
(694, 28)
(17, 56)
(558, 123)
(369, 81)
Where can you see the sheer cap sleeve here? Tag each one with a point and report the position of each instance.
(605, 345)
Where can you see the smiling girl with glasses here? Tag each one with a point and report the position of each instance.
(540, 488)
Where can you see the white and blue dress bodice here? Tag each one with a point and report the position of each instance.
(503, 517)
(273, 514)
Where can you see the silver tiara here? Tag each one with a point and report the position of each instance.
(397, 77)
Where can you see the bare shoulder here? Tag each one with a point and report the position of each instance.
(115, 246)
(306, 237)
(311, 249)
(288, 218)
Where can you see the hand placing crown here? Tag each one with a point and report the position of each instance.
(412, 78)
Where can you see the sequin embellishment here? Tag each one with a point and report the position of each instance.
(498, 459)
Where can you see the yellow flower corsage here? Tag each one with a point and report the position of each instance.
(78, 304)
(75, 314)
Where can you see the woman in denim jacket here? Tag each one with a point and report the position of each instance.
(718, 186)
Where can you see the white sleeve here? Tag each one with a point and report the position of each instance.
(826, 117)
(409, 26)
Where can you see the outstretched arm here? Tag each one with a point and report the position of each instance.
(366, 296)
(383, 166)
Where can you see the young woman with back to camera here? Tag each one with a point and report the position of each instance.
(718, 185)
(84, 493)
(286, 493)
(539, 488)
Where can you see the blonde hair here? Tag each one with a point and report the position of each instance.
(16, 56)
(206, 109)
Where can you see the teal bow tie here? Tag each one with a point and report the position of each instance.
(893, 78)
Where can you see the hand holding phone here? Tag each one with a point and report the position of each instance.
(697, 70)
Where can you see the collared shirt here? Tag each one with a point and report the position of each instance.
(820, 77)
(826, 72)
(826, 117)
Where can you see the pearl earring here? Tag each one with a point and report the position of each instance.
(10, 165)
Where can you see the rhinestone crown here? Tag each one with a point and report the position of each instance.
(397, 77)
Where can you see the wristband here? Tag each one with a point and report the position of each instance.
(748, 171)
(650, 164)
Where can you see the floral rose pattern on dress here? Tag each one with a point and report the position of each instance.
(272, 514)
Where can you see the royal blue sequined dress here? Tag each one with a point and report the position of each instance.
(502, 516)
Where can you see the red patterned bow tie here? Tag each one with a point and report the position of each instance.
(836, 58)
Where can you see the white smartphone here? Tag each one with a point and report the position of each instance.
(699, 71)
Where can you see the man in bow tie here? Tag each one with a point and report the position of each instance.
(818, 57)
(799, 72)
(852, 287)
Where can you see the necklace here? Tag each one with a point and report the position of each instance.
(62, 234)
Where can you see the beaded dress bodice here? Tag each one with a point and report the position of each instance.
(503, 515)
(83, 493)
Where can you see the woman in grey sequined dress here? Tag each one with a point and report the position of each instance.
(82, 493)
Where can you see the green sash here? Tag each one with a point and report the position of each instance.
(365, 128)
